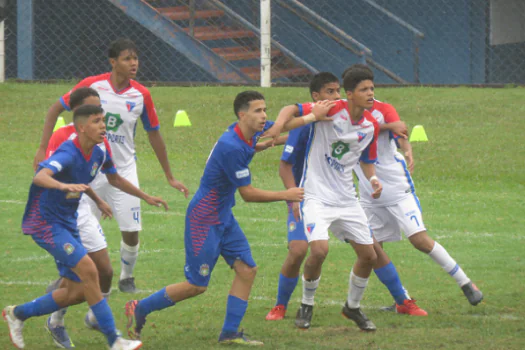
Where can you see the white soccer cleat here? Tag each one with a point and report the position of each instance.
(15, 327)
(125, 344)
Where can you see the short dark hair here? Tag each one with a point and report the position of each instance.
(78, 96)
(355, 74)
(85, 111)
(243, 99)
(119, 45)
(320, 80)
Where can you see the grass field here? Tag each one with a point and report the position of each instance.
(469, 178)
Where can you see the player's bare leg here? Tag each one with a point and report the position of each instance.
(427, 245)
(129, 251)
(290, 272)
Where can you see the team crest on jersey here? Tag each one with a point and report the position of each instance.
(130, 105)
(360, 136)
(113, 121)
(310, 228)
(339, 149)
(68, 248)
(292, 226)
(94, 169)
(73, 195)
(204, 270)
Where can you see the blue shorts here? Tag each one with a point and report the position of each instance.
(204, 243)
(64, 245)
(295, 228)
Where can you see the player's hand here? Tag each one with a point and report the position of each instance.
(105, 209)
(410, 161)
(399, 128)
(180, 186)
(377, 187)
(261, 146)
(73, 187)
(39, 157)
(273, 134)
(296, 210)
(294, 194)
(321, 108)
(156, 202)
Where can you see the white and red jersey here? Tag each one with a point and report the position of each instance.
(333, 149)
(391, 168)
(123, 109)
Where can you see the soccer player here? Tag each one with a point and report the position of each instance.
(212, 230)
(50, 219)
(90, 231)
(323, 86)
(398, 209)
(125, 101)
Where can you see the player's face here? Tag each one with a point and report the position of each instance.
(255, 116)
(328, 92)
(126, 65)
(95, 128)
(363, 94)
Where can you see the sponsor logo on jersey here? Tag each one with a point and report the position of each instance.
(68, 248)
(116, 138)
(73, 195)
(292, 226)
(130, 105)
(204, 270)
(339, 149)
(288, 149)
(94, 169)
(333, 163)
(242, 173)
(113, 121)
(337, 128)
(56, 164)
(360, 136)
(310, 227)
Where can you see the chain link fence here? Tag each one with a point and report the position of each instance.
(404, 41)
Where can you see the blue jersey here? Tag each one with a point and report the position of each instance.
(70, 165)
(295, 149)
(225, 171)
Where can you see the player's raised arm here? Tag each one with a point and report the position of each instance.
(44, 178)
(51, 119)
(124, 185)
(252, 194)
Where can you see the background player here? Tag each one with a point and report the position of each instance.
(50, 219)
(125, 101)
(211, 228)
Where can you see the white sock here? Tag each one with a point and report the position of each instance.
(356, 289)
(128, 259)
(443, 259)
(309, 289)
(91, 316)
(57, 318)
(406, 293)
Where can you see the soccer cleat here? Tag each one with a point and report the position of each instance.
(276, 313)
(410, 307)
(238, 338)
(53, 285)
(125, 344)
(391, 308)
(135, 323)
(472, 293)
(91, 325)
(304, 315)
(59, 334)
(15, 327)
(359, 318)
(127, 285)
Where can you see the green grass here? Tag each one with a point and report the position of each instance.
(469, 178)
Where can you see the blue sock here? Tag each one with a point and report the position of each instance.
(286, 287)
(235, 310)
(105, 320)
(389, 277)
(156, 301)
(38, 307)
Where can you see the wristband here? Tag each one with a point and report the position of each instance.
(372, 178)
(309, 118)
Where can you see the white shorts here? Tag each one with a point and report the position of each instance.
(125, 207)
(89, 229)
(388, 222)
(346, 223)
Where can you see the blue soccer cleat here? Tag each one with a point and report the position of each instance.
(60, 336)
(238, 338)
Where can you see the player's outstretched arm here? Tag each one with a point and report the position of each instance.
(369, 170)
(44, 178)
(159, 147)
(252, 194)
(286, 174)
(399, 128)
(261, 146)
(51, 119)
(104, 207)
(124, 185)
(406, 148)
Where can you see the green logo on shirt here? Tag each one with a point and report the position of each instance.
(339, 149)
(113, 121)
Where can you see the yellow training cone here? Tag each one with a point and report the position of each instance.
(181, 119)
(418, 134)
(60, 123)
